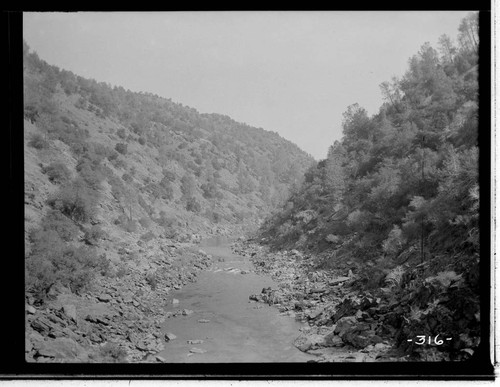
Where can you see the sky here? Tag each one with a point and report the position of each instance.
(293, 73)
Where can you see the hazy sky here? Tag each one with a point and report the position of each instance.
(290, 72)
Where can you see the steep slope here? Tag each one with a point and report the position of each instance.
(118, 185)
(396, 201)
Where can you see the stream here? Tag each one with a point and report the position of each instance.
(230, 326)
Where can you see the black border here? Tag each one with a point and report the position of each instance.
(12, 363)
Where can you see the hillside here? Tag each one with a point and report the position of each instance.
(394, 206)
(117, 182)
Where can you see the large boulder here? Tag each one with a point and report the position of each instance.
(333, 340)
(303, 343)
(356, 340)
(344, 325)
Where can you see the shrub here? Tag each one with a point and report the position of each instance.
(58, 222)
(57, 172)
(121, 148)
(146, 237)
(75, 200)
(145, 206)
(129, 225)
(52, 262)
(126, 177)
(112, 156)
(213, 216)
(167, 192)
(193, 205)
(121, 272)
(119, 163)
(90, 171)
(40, 276)
(38, 142)
(81, 103)
(121, 133)
(142, 141)
(168, 225)
(94, 234)
(170, 176)
(209, 190)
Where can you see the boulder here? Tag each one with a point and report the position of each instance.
(195, 341)
(187, 312)
(337, 281)
(344, 325)
(70, 311)
(333, 340)
(160, 359)
(104, 297)
(197, 350)
(170, 336)
(303, 343)
(30, 309)
(356, 340)
(42, 325)
(315, 313)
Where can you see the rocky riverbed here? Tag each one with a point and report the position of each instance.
(181, 302)
(343, 324)
(120, 318)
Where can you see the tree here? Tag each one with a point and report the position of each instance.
(469, 32)
(446, 48)
(334, 172)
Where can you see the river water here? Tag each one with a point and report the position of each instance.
(238, 330)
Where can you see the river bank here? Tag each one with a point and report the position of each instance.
(119, 318)
(341, 324)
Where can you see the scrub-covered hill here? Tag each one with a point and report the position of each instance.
(117, 181)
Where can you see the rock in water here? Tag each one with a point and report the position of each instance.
(195, 341)
(203, 320)
(160, 359)
(303, 343)
(175, 301)
(197, 350)
(170, 336)
(187, 312)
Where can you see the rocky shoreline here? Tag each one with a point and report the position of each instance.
(344, 325)
(120, 318)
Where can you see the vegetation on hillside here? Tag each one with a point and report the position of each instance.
(139, 166)
(399, 194)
